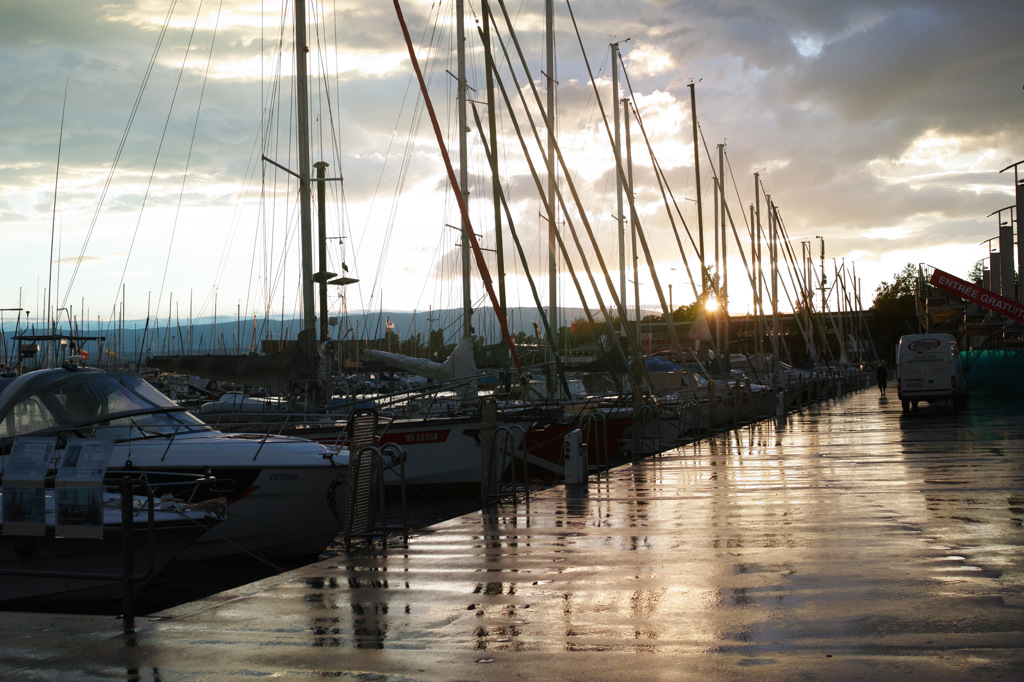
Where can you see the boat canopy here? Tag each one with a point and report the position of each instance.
(92, 403)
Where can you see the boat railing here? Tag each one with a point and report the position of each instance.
(187, 487)
(126, 485)
(366, 509)
(594, 426)
(507, 453)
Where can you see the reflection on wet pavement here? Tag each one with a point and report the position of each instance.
(854, 523)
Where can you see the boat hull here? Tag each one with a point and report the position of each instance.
(104, 556)
(285, 496)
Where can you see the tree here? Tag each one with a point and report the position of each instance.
(903, 287)
(689, 312)
(977, 273)
(894, 309)
(435, 344)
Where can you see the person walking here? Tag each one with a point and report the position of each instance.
(882, 375)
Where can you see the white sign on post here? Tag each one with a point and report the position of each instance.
(79, 489)
(24, 486)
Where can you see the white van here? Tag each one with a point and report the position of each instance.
(928, 368)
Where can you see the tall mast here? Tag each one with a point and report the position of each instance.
(619, 216)
(773, 248)
(759, 263)
(306, 213)
(633, 225)
(549, 27)
(700, 209)
(723, 295)
(467, 299)
(322, 275)
(492, 126)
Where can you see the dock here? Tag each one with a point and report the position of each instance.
(849, 541)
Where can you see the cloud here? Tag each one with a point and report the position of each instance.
(877, 125)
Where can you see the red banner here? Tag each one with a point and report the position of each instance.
(983, 297)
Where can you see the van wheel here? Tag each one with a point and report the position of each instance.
(906, 406)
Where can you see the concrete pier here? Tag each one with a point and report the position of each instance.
(847, 542)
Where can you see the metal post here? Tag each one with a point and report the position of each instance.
(700, 209)
(306, 216)
(128, 556)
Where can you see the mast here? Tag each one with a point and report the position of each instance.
(633, 225)
(758, 259)
(467, 298)
(481, 264)
(620, 218)
(492, 126)
(322, 275)
(773, 250)
(306, 214)
(549, 27)
(723, 287)
(700, 209)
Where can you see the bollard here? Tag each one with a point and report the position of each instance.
(574, 458)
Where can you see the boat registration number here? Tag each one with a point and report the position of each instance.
(431, 436)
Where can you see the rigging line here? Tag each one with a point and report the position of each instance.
(481, 264)
(663, 185)
(786, 245)
(268, 141)
(337, 192)
(117, 156)
(788, 254)
(548, 208)
(156, 158)
(657, 165)
(551, 338)
(673, 336)
(192, 140)
(256, 147)
(736, 237)
(791, 260)
(270, 96)
(428, 36)
(736, 190)
(739, 247)
(634, 344)
(53, 225)
(337, 198)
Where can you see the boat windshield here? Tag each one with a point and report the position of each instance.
(118, 406)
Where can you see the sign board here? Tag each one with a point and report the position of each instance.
(79, 488)
(24, 486)
(989, 300)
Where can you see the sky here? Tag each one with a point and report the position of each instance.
(132, 135)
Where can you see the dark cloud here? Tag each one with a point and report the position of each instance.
(865, 117)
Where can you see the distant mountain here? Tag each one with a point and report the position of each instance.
(237, 335)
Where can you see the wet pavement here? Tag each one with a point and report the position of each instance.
(849, 542)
